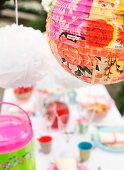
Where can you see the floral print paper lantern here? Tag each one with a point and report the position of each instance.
(87, 38)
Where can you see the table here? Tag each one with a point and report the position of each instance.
(107, 160)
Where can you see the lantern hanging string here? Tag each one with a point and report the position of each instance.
(16, 11)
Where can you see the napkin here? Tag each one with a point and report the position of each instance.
(66, 164)
(119, 136)
(106, 137)
(114, 139)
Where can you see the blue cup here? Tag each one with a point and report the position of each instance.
(85, 149)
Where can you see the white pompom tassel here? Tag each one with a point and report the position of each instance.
(22, 56)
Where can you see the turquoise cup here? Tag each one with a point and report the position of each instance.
(85, 149)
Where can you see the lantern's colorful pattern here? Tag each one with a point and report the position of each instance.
(87, 38)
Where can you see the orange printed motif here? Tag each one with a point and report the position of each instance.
(121, 35)
(75, 54)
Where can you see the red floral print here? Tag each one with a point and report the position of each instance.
(120, 38)
(98, 33)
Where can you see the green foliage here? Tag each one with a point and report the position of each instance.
(38, 24)
(2, 2)
(32, 7)
(120, 98)
(29, 7)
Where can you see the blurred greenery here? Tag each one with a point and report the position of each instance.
(37, 24)
(30, 7)
(119, 98)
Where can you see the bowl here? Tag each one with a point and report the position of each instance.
(23, 93)
(101, 105)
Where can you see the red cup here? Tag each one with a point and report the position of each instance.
(46, 144)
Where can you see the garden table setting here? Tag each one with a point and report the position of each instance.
(56, 112)
(65, 141)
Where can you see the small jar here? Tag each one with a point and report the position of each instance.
(72, 95)
(82, 125)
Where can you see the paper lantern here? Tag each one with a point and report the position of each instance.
(22, 56)
(87, 38)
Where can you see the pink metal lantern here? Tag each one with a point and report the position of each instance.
(87, 38)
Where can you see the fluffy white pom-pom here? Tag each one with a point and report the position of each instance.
(22, 56)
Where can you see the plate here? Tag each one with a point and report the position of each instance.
(103, 146)
(80, 166)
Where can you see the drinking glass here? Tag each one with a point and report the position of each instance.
(66, 127)
(48, 121)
